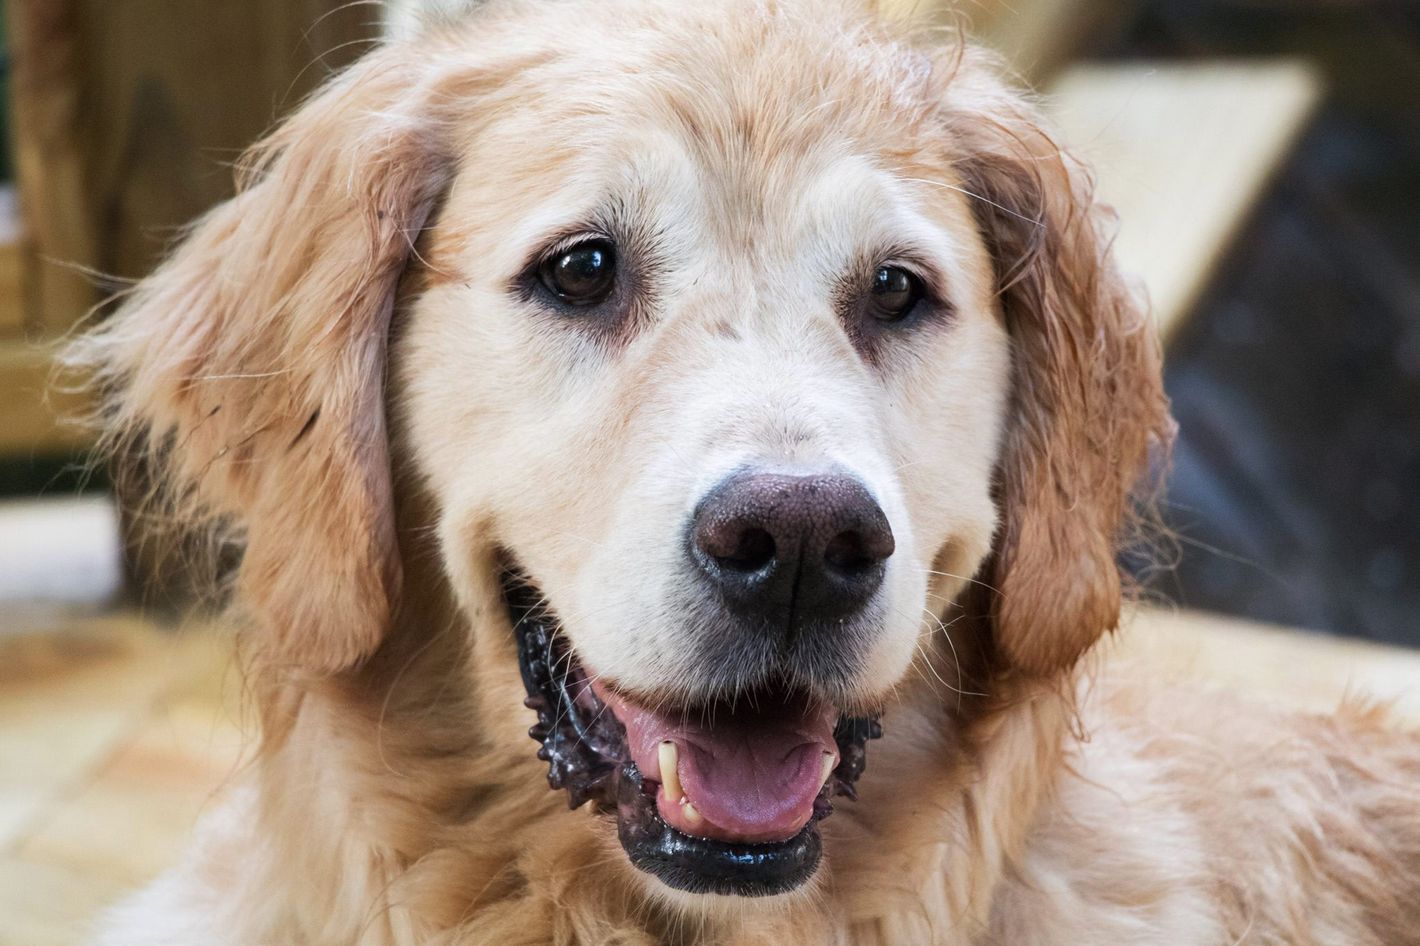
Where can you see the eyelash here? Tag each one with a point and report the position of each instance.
(913, 266)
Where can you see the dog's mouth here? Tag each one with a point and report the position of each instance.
(720, 798)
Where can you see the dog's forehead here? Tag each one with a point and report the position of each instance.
(717, 144)
(732, 114)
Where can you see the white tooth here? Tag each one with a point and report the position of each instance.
(670, 778)
(829, 763)
(691, 814)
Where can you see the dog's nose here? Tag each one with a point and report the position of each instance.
(792, 546)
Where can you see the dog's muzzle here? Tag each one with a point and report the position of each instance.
(719, 799)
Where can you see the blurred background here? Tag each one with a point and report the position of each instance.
(1264, 157)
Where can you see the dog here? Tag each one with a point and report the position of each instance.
(740, 400)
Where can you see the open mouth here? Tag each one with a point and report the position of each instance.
(722, 798)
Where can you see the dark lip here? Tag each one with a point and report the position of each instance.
(700, 865)
(589, 759)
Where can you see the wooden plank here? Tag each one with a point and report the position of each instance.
(36, 417)
(1306, 671)
(1036, 39)
(68, 699)
(115, 734)
(46, 905)
(12, 301)
(1183, 153)
(1040, 37)
(135, 817)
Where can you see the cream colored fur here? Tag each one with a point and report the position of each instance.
(339, 370)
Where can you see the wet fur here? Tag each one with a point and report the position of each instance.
(1022, 795)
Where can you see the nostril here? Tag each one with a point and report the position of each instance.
(848, 552)
(754, 549)
(860, 550)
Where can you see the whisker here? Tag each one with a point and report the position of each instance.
(1038, 224)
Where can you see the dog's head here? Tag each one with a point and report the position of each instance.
(728, 345)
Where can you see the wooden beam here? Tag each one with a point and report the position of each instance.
(36, 418)
(1183, 153)
(1307, 671)
(1036, 38)
(12, 299)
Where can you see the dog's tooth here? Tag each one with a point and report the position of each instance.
(691, 814)
(829, 763)
(670, 777)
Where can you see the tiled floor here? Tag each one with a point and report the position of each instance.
(115, 734)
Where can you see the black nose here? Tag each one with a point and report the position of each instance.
(792, 547)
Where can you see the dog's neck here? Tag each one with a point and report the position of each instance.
(446, 819)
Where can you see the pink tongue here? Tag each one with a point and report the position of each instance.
(752, 774)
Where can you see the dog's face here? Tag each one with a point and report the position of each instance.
(729, 396)
(733, 342)
(723, 379)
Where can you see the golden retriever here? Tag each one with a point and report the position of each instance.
(740, 395)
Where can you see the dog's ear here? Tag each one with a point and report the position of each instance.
(250, 366)
(1087, 397)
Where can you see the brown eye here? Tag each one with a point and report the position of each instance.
(583, 274)
(896, 293)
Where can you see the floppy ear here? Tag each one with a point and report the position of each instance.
(1088, 398)
(251, 365)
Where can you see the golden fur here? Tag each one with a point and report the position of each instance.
(1019, 796)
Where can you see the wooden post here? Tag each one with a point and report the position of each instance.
(127, 117)
(175, 92)
(46, 89)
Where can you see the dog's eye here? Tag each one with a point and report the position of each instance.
(896, 293)
(583, 274)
